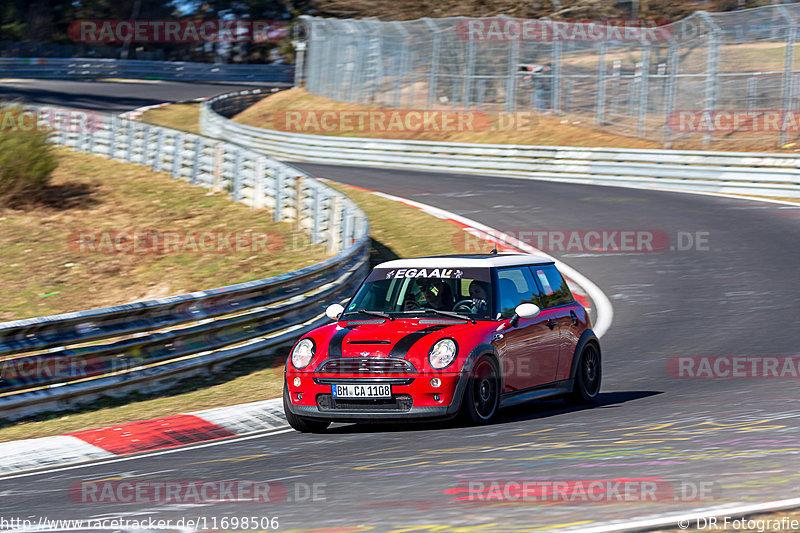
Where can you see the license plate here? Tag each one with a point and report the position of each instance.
(362, 391)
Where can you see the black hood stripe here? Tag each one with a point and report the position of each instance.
(335, 344)
(404, 345)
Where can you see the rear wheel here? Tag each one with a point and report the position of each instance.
(301, 423)
(482, 397)
(586, 386)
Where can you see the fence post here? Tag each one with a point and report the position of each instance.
(555, 80)
(402, 68)
(469, 70)
(712, 69)
(786, 90)
(511, 80)
(434, 65)
(672, 72)
(643, 89)
(600, 106)
(131, 129)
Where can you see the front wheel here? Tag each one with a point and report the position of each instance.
(301, 423)
(588, 375)
(482, 397)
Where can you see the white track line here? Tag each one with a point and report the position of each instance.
(605, 311)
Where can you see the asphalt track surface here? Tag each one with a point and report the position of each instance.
(736, 440)
(110, 95)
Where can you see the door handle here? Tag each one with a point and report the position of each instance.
(552, 324)
(574, 318)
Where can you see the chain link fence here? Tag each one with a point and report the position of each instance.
(719, 77)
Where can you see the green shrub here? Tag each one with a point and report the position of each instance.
(27, 161)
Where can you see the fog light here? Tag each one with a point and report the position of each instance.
(299, 396)
(436, 382)
(296, 382)
(437, 398)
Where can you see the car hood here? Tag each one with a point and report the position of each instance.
(401, 338)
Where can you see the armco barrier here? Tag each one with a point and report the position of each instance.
(726, 172)
(48, 362)
(82, 68)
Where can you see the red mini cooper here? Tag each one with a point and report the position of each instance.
(436, 337)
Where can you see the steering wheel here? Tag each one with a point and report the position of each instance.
(411, 305)
(467, 305)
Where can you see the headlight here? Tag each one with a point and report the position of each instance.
(443, 353)
(302, 353)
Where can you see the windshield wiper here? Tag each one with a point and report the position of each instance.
(450, 314)
(373, 313)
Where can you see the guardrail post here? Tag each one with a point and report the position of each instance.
(278, 216)
(130, 127)
(198, 150)
(258, 183)
(237, 176)
(334, 225)
(114, 136)
(219, 158)
(159, 150)
(298, 203)
(177, 155)
(316, 215)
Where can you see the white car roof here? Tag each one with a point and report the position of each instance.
(467, 261)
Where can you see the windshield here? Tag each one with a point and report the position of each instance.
(466, 292)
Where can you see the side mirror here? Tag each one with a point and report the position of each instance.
(334, 311)
(527, 310)
(521, 311)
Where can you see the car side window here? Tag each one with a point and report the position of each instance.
(554, 287)
(516, 286)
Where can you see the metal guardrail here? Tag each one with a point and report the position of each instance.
(764, 174)
(88, 68)
(47, 361)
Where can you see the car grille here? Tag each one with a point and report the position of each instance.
(400, 402)
(366, 365)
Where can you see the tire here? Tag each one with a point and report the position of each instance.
(588, 376)
(302, 423)
(482, 396)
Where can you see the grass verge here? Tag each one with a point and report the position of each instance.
(397, 231)
(178, 116)
(45, 270)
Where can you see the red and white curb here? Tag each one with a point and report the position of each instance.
(142, 436)
(134, 114)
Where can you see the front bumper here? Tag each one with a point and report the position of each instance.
(413, 397)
